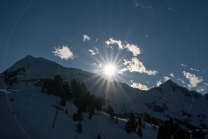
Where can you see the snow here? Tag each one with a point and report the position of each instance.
(121, 96)
(37, 116)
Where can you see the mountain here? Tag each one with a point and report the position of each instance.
(160, 103)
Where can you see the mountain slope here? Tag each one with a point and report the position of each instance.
(161, 102)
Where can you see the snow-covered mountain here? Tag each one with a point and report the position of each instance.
(167, 100)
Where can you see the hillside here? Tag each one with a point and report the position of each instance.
(167, 100)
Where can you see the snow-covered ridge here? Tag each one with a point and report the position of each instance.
(169, 99)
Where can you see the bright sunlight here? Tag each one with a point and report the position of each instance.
(110, 70)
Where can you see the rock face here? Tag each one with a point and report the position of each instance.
(167, 100)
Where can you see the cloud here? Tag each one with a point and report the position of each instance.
(97, 65)
(94, 52)
(130, 47)
(182, 81)
(139, 86)
(63, 52)
(159, 83)
(193, 79)
(86, 38)
(122, 70)
(166, 78)
(117, 42)
(206, 84)
(141, 6)
(201, 89)
(96, 40)
(136, 66)
(172, 75)
(133, 48)
(194, 69)
(183, 65)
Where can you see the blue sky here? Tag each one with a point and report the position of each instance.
(148, 41)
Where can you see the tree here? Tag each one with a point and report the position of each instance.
(66, 111)
(143, 126)
(63, 102)
(116, 119)
(79, 115)
(75, 117)
(98, 137)
(128, 127)
(140, 122)
(133, 122)
(110, 111)
(67, 90)
(79, 128)
(140, 134)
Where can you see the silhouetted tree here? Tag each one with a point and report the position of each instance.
(128, 127)
(63, 102)
(140, 134)
(67, 90)
(143, 126)
(133, 122)
(79, 128)
(116, 119)
(140, 122)
(75, 117)
(98, 137)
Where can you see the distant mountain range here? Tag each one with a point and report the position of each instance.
(167, 100)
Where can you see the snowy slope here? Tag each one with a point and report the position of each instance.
(34, 116)
(168, 99)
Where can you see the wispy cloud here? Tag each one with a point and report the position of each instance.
(201, 89)
(138, 85)
(94, 52)
(194, 69)
(166, 78)
(86, 38)
(193, 79)
(63, 52)
(182, 81)
(97, 65)
(172, 75)
(117, 42)
(133, 48)
(141, 6)
(183, 65)
(130, 47)
(136, 66)
(158, 83)
(122, 70)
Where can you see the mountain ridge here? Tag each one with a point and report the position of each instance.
(168, 99)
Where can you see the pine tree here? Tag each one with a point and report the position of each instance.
(128, 127)
(79, 128)
(98, 137)
(75, 117)
(133, 122)
(63, 102)
(140, 134)
(143, 126)
(79, 115)
(116, 119)
(140, 122)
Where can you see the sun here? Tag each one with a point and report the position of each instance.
(110, 70)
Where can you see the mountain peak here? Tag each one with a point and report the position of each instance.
(168, 83)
